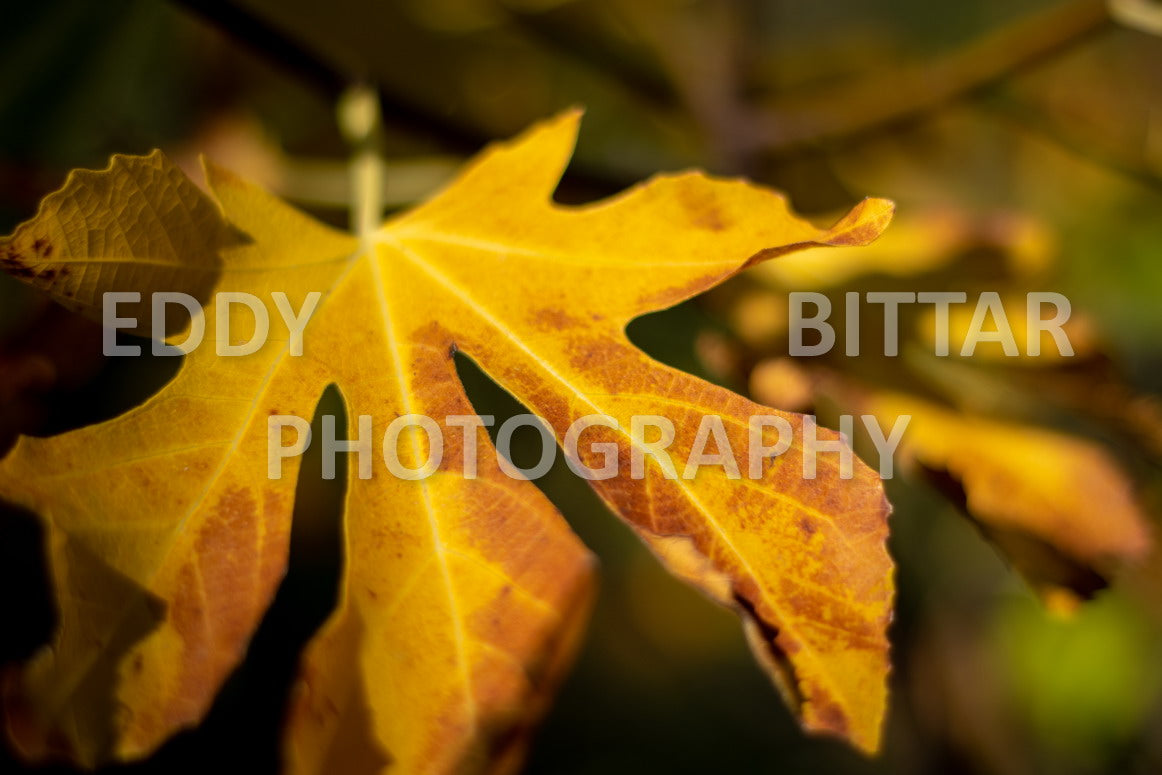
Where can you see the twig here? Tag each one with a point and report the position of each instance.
(361, 122)
(1142, 15)
(902, 93)
(1029, 119)
(598, 53)
(255, 32)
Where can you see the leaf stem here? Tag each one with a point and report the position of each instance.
(361, 122)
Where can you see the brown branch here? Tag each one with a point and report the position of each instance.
(1025, 117)
(255, 31)
(905, 92)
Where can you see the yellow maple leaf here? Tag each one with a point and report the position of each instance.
(462, 596)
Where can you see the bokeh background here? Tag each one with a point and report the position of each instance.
(1022, 141)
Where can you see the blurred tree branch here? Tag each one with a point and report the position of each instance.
(585, 40)
(737, 132)
(1121, 160)
(1142, 15)
(255, 32)
(901, 93)
(710, 83)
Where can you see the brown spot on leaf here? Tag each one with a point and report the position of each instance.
(829, 716)
(555, 319)
(185, 611)
(236, 509)
(10, 256)
(14, 262)
(863, 224)
(227, 545)
(669, 296)
(703, 210)
(860, 235)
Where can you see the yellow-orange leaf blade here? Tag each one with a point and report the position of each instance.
(1059, 506)
(462, 598)
(539, 295)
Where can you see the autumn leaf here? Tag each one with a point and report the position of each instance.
(1077, 332)
(462, 598)
(1059, 506)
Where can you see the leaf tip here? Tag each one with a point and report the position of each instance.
(862, 225)
(570, 115)
(215, 175)
(561, 129)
